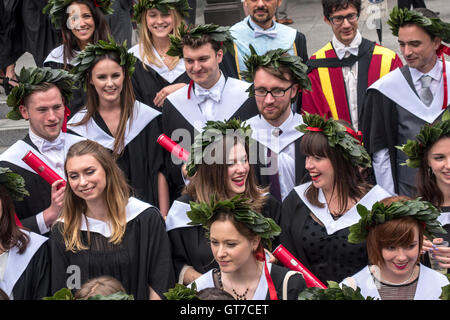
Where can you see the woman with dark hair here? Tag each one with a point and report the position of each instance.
(430, 153)
(80, 22)
(24, 257)
(158, 74)
(220, 169)
(394, 230)
(316, 215)
(236, 235)
(115, 119)
(104, 231)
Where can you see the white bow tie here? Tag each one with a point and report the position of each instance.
(58, 144)
(269, 33)
(340, 52)
(203, 94)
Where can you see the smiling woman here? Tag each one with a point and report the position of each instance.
(223, 171)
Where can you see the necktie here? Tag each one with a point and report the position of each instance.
(269, 33)
(425, 93)
(274, 179)
(57, 144)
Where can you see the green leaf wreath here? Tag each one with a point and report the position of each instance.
(445, 295)
(141, 7)
(85, 59)
(435, 26)
(29, 78)
(333, 292)
(66, 294)
(214, 131)
(202, 212)
(428, 135)
(220, 34)
(337, 137)
(57, 8)
(14, 184)
(181, 292)
(275, 59)
(418, 209)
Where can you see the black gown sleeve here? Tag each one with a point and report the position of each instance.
(34, 283)
(59, 260)
(300, 43)
(293, 218)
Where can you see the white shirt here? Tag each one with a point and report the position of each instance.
(207, 106)
(350, 73)
(435, 73)
(54, 158)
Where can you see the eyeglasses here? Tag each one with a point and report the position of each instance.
(276, 93)
(338, 20)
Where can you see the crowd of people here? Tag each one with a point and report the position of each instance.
(342, 157)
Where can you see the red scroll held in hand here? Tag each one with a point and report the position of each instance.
(173, 147)
(288, 260)
(42, 169)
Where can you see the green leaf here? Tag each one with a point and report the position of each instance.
(62, 294)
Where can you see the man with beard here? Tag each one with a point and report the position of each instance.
(261, 31)
(276, 83)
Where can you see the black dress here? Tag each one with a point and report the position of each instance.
(323, 248)
(141, 260)
(189, 244)
(27, 275)
(141, 158)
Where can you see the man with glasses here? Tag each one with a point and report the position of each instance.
(277, 78)
(346, 66)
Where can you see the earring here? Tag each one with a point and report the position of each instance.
(430, 172)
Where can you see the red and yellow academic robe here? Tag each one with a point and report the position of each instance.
(328, 95)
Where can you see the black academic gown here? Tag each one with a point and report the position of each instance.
(24, 28)
(142, 259)
(387, 124)
(147, 81)
(27, 275)
(265, 140)
(323, 248)
(55, 60)
(189, 244)
(182, 120)
(39, 189)
(141, 158)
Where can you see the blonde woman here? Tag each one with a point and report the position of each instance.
(104, 231)
(157, 74)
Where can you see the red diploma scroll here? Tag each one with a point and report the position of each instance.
(173, 147)
(287, 259)
(42, 169)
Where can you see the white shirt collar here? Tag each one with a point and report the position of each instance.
(341, 48)
(435, 72)
(39, 141)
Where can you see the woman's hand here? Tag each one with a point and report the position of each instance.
(57, 201)
(441, 254)
(164, 92)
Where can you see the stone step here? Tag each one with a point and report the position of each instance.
(4, 109)
(11, 131)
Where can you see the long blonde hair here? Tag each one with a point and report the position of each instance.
(116, 195)
(146, 43)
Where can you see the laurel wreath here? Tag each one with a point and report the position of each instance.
(182, 6)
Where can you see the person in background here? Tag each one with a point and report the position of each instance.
(282, 13)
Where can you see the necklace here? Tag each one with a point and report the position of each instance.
(242, 296)
(396, 284)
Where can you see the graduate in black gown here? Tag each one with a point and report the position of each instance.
(229, 174)
(103, 231)
(24, 255)
(210, 95)
(80, 22)
(316, 215)
(115, 119)
(237, 237)
(157, 74)
(430, 155)
(277, 78)
(24, 28)
(40, 99)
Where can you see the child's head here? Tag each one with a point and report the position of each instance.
(104, 285)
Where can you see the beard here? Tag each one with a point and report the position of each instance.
(261, 19)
